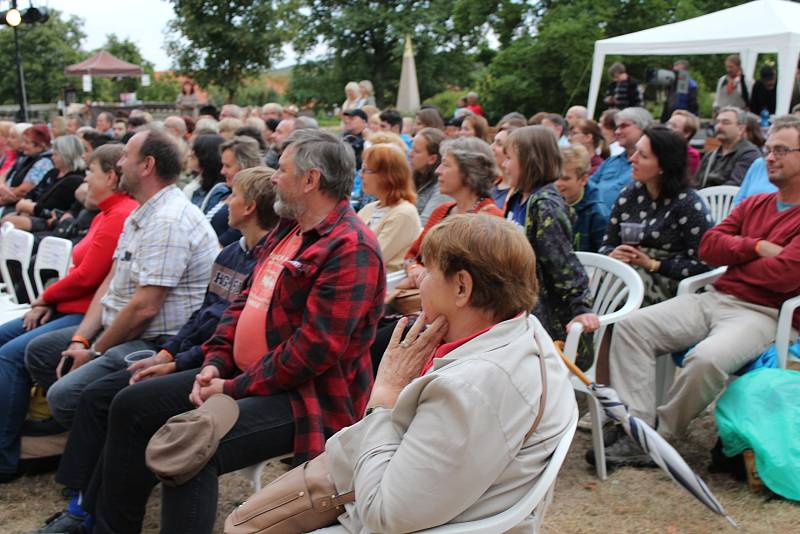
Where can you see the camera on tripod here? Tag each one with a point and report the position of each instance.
(665, 78)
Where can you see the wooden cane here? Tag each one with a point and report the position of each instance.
(571, 366)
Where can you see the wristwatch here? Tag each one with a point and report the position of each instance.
(93, 352)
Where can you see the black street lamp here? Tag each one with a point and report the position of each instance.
(13, 18)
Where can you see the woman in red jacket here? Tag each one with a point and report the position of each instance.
(63, 303)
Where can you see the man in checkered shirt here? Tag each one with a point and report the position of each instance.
(161, 269)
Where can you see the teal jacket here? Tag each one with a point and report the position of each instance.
(592, 219)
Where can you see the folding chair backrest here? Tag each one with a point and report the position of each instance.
(16, 245)
(719, 200)
(54, 254)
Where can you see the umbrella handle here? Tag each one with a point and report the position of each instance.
(570, 365)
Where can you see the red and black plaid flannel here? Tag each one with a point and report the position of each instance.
(320, 325)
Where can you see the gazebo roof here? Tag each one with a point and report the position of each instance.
(104, 64)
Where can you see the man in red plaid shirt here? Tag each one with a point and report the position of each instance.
(293, 349)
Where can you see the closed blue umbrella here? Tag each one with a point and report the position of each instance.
(651, 442)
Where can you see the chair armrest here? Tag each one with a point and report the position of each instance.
(782, 340)
(571, 343)
(695, 283)
(633, 302)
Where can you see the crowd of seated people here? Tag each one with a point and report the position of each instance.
(260, 281)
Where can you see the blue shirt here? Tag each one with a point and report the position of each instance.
(592, 220)
(755, 181)
(516, 210)
(407, 139)
(611, 177)
(499, 196)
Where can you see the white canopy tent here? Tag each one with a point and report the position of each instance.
(762, 26)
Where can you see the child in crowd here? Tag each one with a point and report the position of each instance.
(583, 197)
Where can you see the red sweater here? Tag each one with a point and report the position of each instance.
(765, 281)
(486, 205)
(8, 160)
(91, 257)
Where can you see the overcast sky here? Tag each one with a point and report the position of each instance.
(141, 21)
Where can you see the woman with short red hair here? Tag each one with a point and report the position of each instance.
(28, 172)
(385, 174)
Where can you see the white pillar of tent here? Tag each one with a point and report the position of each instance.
(787, 67)
(597, 75)
(749, 58)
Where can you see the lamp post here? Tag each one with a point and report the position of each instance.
(13, 18)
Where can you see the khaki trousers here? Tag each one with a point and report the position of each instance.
(726, 332)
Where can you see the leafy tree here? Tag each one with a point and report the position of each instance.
(46, 49)
(546, 66)
(223, 42)
(365, 39)
(267, 87)
(164, 88)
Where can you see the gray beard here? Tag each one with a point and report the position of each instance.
(287, 210)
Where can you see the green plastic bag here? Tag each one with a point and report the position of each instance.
(761, 411)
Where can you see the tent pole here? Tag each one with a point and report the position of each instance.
(787, 67)
(597, 74)
(749, 59)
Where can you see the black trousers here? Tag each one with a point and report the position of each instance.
(121, 482)
(88, 434)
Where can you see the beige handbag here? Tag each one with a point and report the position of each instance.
(305, 499)
(302, 500)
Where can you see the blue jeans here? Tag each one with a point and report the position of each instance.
(15, 382)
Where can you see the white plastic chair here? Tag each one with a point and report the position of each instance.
(54, 254)
(719, 200)
(539, 491)
(693, 284)
(542, 489)
(16, 245)
(253, 472)
(617, 291)
(665, 367)
(4, 293)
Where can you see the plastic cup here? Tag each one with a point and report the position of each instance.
(631, 233)
(139, 355)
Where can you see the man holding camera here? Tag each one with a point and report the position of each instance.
(681, 93)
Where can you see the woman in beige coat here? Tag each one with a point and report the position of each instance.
(385, 174)
(444, 436)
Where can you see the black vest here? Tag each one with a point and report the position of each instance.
(20, 170)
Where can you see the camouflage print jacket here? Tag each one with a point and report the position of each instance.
(563, 284)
